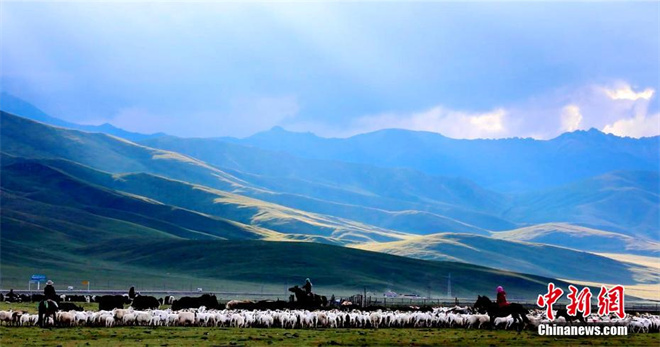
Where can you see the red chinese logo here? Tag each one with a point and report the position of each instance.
(579, 302)
(549, 299)
(611, 301)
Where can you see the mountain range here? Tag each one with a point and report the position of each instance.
(504, 165)
(14, 105)
(444, 201)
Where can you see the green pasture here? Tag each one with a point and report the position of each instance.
(179, 336)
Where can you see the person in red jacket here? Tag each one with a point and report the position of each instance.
(501, 297)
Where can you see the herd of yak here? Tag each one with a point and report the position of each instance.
(110, 302)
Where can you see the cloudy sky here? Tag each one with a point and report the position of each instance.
(477, 70)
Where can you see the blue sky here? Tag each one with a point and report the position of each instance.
(214, 69)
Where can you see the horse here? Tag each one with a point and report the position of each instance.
(562, 312)
(46, 309)
(303, 299)
(485, 305)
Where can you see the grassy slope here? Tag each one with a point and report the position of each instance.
(25, 138)
(236, 265)
(71, 230)
(334, 269)
(623, 201)
(525, 257)
(31, 188)
(593, 202)
(231, 206)
(34, 187)
(225, 205)
(330, 183)
(587, 239)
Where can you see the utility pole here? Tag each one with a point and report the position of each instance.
(449, 285)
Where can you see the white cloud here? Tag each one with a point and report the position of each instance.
(625, 92)
(616, 108)
(455, 124)
(491, 123)
(638, 126)
(629, 112)
(571, 118)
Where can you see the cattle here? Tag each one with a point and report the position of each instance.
(10, 297)
(75, 298)
(68, 306)
(33, 298)
(167, 300)
(206, 300)
(110, 302)
(145, 302)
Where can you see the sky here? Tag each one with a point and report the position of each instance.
(465, 70)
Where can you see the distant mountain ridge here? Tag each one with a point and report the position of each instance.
(504, 165)
(14, 105)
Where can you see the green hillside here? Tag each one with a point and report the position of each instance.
(25, 138)
(45, 194)
(577, 237)
(354, 191)
(248, 265)
(544, 260)
(221, 204)
(624, 201)
(33, 189)
(393, 199)
(56, 224)
(29, 139)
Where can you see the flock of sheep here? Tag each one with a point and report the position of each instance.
(456, 317)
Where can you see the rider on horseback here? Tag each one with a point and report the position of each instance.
(501, 297)
(308, 287)
(11, 296)
(49, 293)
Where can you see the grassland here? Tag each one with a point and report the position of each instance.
(176, 336)
(197, 336)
